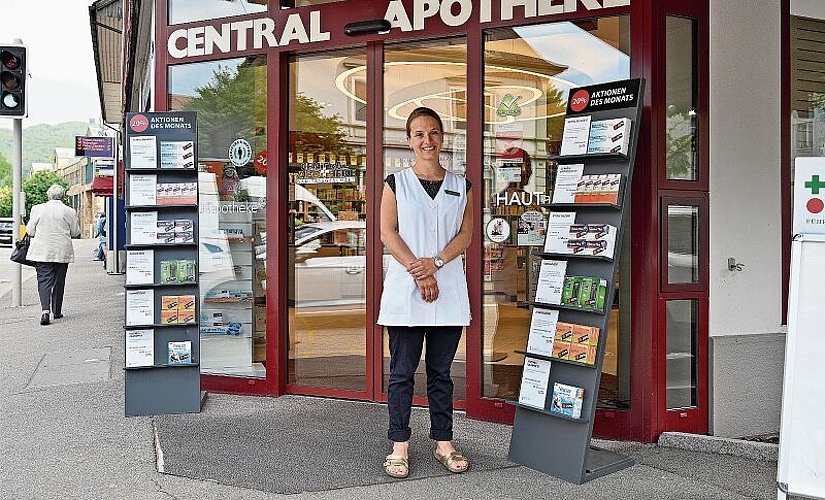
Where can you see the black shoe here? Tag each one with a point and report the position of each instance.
(58, 315)
(44, 319)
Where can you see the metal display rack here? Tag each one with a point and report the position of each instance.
(163, 387)
(542, 440)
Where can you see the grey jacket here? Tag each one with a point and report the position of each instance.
(51, 227)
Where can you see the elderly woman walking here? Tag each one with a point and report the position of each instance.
(51, 227)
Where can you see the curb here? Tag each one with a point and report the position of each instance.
(754, 450)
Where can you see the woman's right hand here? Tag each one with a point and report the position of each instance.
(428, 287)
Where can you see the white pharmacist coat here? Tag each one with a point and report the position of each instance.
(427, 225)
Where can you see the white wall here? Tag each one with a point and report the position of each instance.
(808, 8)
(745, 219)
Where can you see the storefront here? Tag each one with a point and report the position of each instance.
(299, 123)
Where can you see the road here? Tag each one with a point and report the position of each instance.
(7, 275)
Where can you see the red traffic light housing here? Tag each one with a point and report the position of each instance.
(13, 81)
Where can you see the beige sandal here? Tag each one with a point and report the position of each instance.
(450, 459)
(393, 463)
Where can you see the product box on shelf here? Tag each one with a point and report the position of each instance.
(180, 352)
(567, 400)
(609, 136)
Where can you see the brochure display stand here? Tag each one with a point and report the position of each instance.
(576, 286)
(162, 340)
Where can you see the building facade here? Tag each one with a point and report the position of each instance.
(301, 116)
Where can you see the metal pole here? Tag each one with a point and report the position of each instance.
(113, 266)
(17, 208)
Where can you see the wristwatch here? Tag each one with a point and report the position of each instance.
(438, 261)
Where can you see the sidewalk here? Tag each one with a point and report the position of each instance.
(64, 435)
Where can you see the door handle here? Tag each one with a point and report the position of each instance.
(353, 270)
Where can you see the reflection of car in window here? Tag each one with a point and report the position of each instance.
(6, 230)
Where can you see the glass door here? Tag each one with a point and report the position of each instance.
(334, 347)
(327, 253)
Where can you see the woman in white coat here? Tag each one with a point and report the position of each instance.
(426, 224)
(51, 227)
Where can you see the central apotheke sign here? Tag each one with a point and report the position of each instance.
(308, 28)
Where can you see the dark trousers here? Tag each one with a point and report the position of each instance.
(51, 280)
(406, 344)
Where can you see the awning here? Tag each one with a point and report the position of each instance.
(102, 186)
(106, 19)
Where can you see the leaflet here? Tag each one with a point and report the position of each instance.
(140, 267)
(567, 181)
(140, 307)
(542, 331)
(143, 152)
(144, 228)
(143, 189)
(575, 136)
(534, 380)
(551, 281)
(140, 348)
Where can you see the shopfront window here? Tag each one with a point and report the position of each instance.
(186, 11)
(230, 99)
(528, 72)
(681, 120)
(682, 244)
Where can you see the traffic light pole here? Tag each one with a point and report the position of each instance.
(17, 209)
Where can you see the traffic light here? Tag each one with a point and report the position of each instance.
(13, 81)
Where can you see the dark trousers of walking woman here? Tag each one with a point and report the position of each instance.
(51, 280)
(405, 351)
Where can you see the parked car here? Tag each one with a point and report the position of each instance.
(6, 230)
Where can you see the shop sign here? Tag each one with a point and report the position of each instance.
(809, 196)
(603, 97)
(93, 147)
(323, 173)
(307, 27)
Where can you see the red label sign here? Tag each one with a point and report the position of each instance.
(139, 123)
(260, 162)
(580, 100)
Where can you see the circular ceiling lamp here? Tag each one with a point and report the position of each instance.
(450, 95)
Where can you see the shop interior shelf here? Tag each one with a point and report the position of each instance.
(552, 359)
(547, 412)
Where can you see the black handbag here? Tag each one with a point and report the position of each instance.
(20, 250)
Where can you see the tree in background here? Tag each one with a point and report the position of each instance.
(5, 171)
(36, 186)
(5, 201)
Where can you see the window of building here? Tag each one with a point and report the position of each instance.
(186, 11)
(230, 99)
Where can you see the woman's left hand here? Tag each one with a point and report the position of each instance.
(421, 268)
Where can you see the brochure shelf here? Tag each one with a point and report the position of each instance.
(161, 207)
(598, 157)
(159, 285)
(580, 206)
(548, 413)
(547, 380)
(139, 246)
(177, 365)
(552, 359)
(544, 305)
(547, 255)
(156, 216)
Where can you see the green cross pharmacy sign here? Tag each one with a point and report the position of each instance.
(809, 196)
